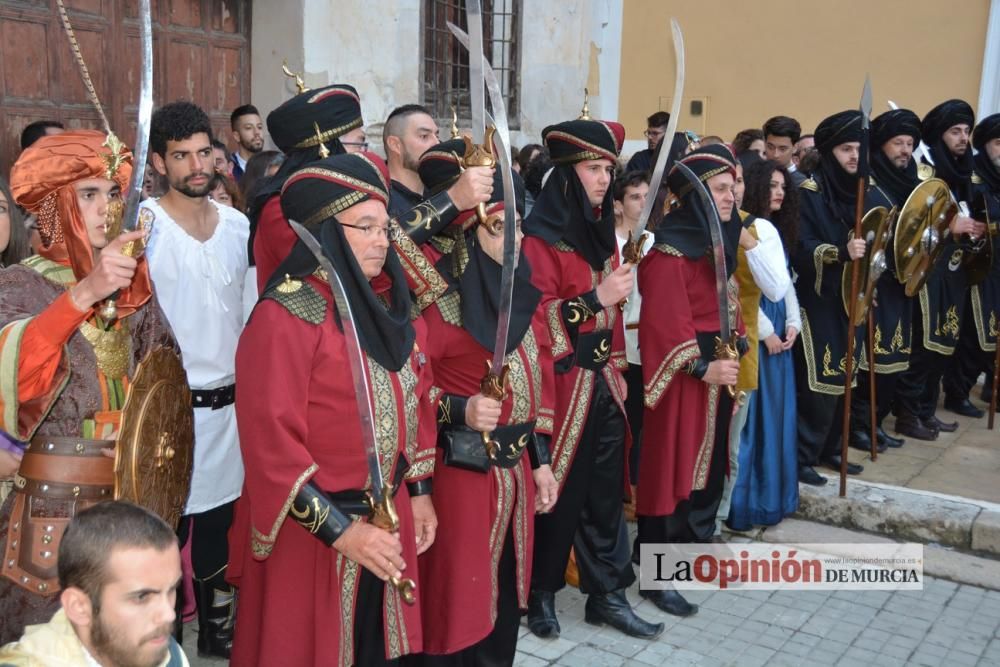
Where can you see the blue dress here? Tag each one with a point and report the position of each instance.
(767, 485)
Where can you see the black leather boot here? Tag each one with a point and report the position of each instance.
(613, 609)
(962, 406)
(861, 440)
(943, 427)
(887, 440)
(671, 602)
(910, 425)
(216, 601)
(542, 619)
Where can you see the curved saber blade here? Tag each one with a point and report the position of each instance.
(668, 138)
(130, 219)
(718, 249)
(477, 61)
(510, 258)
(362, 389)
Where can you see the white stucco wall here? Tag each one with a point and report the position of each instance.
(376, 47)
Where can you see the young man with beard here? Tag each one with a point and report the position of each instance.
(656, 127)
(977, 343)
(198, 261)
(119, 569)
(570, 245)
(688, 409)
(248, 133)
(479, 572)
(312, 572)
(945, 130)
(824, 252)
(894, 135)
(69, 369)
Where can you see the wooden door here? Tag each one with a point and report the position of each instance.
(201, 53)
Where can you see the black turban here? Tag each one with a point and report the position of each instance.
(439, 169)
(945, 115)
(562, 210)
(686, 226)
(334, 109)
(466, 266)
(988, 129)
(893, 124)
(955, 170)
(578, 140)
(840, 128)
(313, 196)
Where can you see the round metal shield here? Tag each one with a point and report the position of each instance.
(155, 449)
(920, 231)
(875, 231)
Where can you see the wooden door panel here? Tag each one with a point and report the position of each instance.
(201, 53)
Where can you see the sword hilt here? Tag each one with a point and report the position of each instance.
(405, 588)
(383, 512)
(632, 250)
(483, 155)
(494, 386)
(728, 351)
(109, 311)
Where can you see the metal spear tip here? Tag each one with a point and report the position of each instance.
(866, 103)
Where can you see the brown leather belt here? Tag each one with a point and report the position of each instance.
(58, 477)
(632, 327)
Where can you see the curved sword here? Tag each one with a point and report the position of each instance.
(632, 251)
(725, 344)
(130, 217)
(380, 497)
(495, 381)
(477, 102)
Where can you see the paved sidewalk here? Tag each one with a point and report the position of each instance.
(964, 463)
(947, 623)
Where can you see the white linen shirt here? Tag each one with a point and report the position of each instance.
(631, 311)
(200, 288)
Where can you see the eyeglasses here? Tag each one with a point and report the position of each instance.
(370, 230)
(360, 145)
(654, 134)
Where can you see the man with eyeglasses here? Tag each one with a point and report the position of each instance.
(656, 127)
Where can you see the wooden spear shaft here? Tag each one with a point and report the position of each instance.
(849, 366)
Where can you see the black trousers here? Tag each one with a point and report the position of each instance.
(919, 385)
(969, 360)
(820, 418)
(369, 627)
(589, 515)
(497, 648)
(693, 519)
(634, 410)
(885, 390)
(209, 542)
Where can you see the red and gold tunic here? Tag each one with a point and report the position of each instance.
(563, 274)
(298, 421)
(460, 572)
(678, 303)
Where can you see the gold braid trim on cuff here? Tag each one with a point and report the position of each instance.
(674, 362)
(261, 544)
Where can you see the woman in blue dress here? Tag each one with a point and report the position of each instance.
(766, 488)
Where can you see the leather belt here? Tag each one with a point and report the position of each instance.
(355, 501)
(593, 349)
(632, 327)
(58, 477)
(214, 398)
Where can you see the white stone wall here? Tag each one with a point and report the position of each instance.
(565, 46)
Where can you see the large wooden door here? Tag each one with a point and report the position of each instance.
(201, 53)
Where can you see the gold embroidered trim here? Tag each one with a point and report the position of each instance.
(564, 446)
(427, 283)
(364, 186)
(675, 360)
(951, 324)
(810, 355)
(668, 250)
(522, 515)
(332, 133)
(589, 151)
(560, 340)
(983, 333)
(704, 460)
(498, 530)
(421, 468)
(347, 570)
(260, 544)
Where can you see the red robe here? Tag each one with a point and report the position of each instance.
(561, 273)
(474, 509)
(679, 422)
(298, 421)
